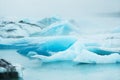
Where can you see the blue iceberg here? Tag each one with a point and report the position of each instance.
(79, 54)
(54, 39)
(64, 48)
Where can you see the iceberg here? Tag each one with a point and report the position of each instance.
(51, 26)
(79, 54)
(63, 48)
(54, 39)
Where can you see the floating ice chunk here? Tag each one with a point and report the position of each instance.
(89, 57)
(79, 54)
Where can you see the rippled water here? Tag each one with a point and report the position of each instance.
(34, 70)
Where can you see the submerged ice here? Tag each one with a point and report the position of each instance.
(53, 39)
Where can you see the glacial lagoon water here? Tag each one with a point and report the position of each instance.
(35, 70)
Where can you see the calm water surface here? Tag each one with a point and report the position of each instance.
(34, 70)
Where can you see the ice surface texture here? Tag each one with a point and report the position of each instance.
(45, 27)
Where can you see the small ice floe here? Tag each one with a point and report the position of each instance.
(9, 71)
